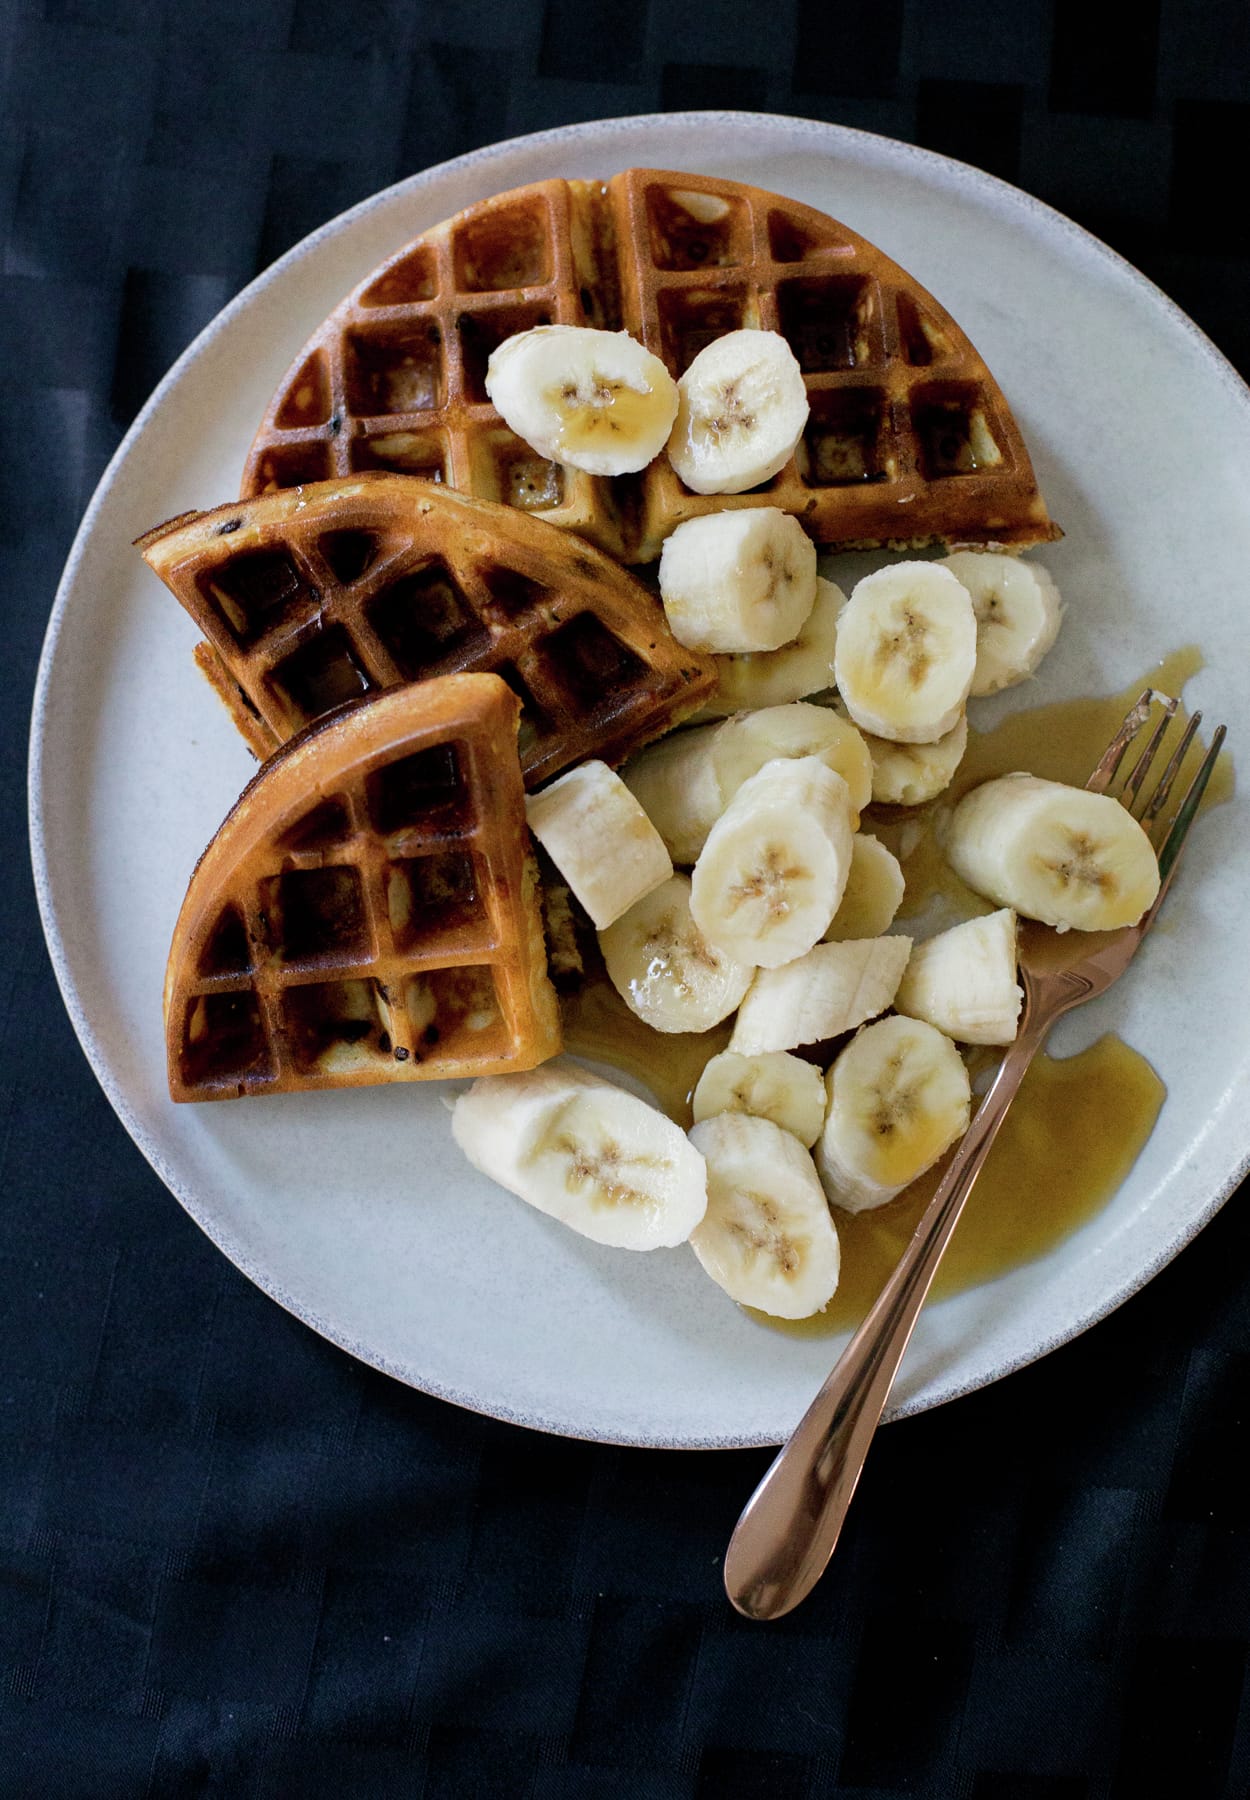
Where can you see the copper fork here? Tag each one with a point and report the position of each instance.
(789, 1528)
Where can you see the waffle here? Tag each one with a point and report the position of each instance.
(311, 597)
(910, 440)
(368, 911)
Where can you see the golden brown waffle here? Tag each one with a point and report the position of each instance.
(311, 597)
(910, 440)
(368, 911)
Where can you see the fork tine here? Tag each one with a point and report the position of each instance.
(1154, 806)
(1132, 786)
(1113, 755)
(1174, 843)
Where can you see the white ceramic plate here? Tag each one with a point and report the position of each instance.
(354, 1209)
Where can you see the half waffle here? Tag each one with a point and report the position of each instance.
(314, 596)
(910, 440)
(368, 911)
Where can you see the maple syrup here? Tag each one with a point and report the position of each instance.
(615, 409)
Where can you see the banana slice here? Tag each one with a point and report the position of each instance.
(600, 839)
(832, 989)
(906, 652)
(899, 1096)
(585, 1152)
(742, 580)
(1018, 613)
(594, 399)
(744, 744)
(741, 412)
(773, 1086)
(910, 774)
(684, 782)
(675, 783)
(1055, 853)
(772, 677)
(767, 1237)
(964, 981)
(769, 878)
(873, 892)
(663, 967)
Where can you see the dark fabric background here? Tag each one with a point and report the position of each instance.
(233, 1562)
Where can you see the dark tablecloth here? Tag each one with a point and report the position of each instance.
(232, 1561)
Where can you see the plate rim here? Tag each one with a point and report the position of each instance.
(879, 146)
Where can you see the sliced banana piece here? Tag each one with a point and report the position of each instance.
(772, 677)
(832, 989)
(910, 774)
(773, 1086)
(664, 968)
(767, 1237)
(1018, 612)
(600, 839)
(585, 1152)
(899, 1096)
(873, 892)
(906, 652)
(771, 874)
(743, 580)
(964, 981)
(745, 743)
(1055, 853)
(675, 783)
(594, 399)
(742, 410)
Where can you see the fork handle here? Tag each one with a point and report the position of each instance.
(790, 1525)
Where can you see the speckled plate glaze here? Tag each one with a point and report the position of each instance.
(354, 1210)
